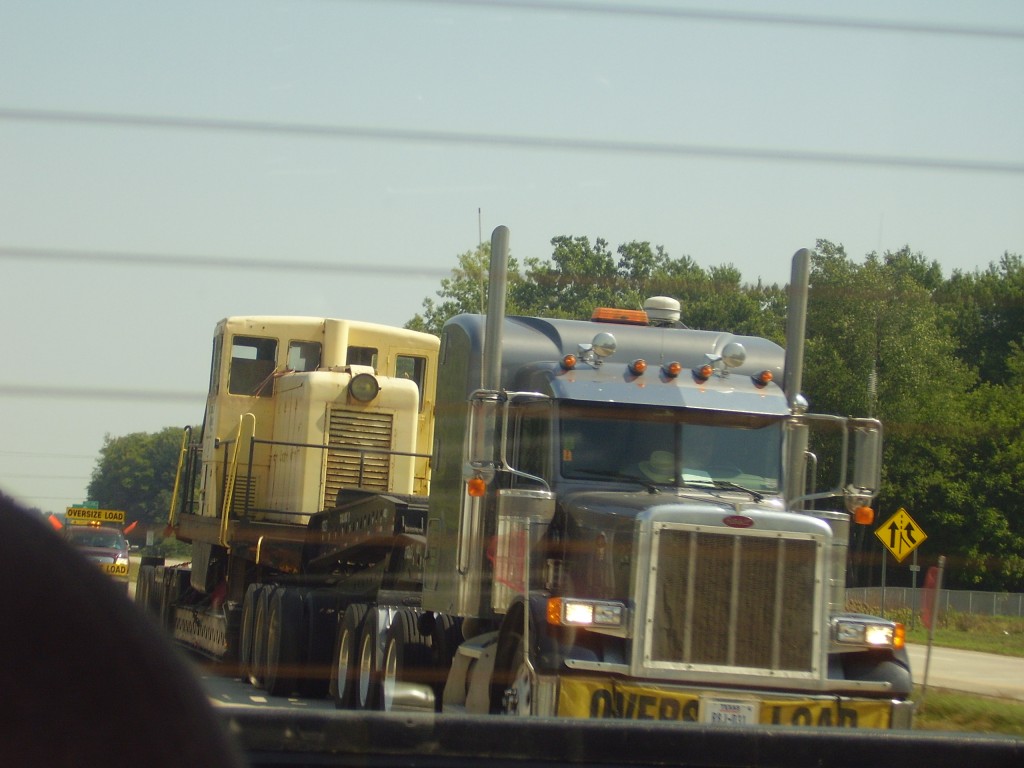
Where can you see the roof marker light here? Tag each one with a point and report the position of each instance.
(703, 372)
(672, 369)
(569, 362)
(761, 379)
(638, 366)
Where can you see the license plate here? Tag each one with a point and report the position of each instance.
(729, 711)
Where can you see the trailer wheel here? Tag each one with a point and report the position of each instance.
(344, 673)
(245, 630)
(321, 628)
(142, 584)
(406, 658)
(258, 665)
(284, 641)
(368, 664)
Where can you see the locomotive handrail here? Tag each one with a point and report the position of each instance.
(172, 516)
(229, 484)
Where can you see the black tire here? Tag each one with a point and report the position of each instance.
(509, 666)
(510, 656)
(406, 658)
(344, 671)
(258, 663)
(368, 662)
(321, 628)
(444, 642)
(285, 631)
(245, 630)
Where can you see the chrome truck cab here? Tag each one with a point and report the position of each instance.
(625, 519)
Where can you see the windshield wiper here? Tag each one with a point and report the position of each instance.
(648, 484)
(725, 485)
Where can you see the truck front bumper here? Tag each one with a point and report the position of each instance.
(608, 697)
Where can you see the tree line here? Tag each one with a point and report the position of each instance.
(939, 359)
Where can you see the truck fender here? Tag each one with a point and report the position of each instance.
(467, 688)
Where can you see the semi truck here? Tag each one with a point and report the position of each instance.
(619, 517)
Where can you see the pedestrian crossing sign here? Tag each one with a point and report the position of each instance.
(900, 534)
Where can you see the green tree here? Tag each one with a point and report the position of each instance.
(985, 312)
(464, 291)
(135, 473)
(578, 277)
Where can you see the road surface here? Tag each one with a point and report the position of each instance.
(987, 674)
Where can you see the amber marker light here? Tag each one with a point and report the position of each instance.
(762, 379)
(672, 369)
(623, 316)
(637, 367)
(476, 486)
(863, 515)
(569, 362)
(899, 636)
(703, 372)
(554, 611)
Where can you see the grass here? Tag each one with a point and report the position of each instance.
(951, 711)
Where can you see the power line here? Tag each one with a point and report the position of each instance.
(732, 17)
(505, 140)
(45, 477)
(45, 455)
(82, 393)
(135, 259)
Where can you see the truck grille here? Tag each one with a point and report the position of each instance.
(731, 600)
(351, 432)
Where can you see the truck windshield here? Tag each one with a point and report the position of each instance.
(668, 446)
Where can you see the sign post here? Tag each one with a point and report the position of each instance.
(929, 617)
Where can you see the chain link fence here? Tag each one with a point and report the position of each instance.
(962, 601)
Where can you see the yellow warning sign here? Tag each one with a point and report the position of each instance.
(900, 534)
(86, 515)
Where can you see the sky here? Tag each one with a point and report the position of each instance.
(166, 165)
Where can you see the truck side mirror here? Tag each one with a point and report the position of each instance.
(866, 476)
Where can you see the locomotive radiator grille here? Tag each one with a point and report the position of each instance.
(721, 601)
(351, 432)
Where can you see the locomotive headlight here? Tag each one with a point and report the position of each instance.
(364, 387)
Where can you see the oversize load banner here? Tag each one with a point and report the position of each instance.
(83, 514)
(594, 698)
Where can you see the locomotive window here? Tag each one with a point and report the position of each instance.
(304, 355)
(363, 356)
(253, 361)
(412, 367)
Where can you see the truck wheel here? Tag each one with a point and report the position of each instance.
(517, 697)
(512, 680)
(406, 658)
(368, 665)
(284, 642)
(258, 665)
(245, 630)
(344, 673)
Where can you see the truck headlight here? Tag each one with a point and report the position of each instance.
(870, 634)
(567, 611)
